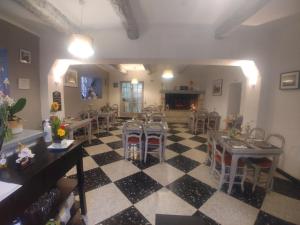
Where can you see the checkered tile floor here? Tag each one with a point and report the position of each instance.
(121, 192)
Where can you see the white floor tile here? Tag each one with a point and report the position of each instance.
(196, 155)
(105, 202)
(97, 149)
(164, 173)
(203, 174)
(120, 151)
(163, 202)
(88, 164)
(227, 210)
(109, 139)
(119, 169)
(282, 207)
(190, 143)
(184, 135)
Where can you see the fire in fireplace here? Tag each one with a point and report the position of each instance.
(180, 101)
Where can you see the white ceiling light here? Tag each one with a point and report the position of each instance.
(131, 67)
(168, 74)
(81, 46)
(134, 81)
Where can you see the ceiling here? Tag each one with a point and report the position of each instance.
(100, 14)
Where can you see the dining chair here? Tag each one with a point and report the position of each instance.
(154, 137)
(200, 122)
(93, 114)
(115, 109)
(213, 121)
(157, 117)
(132, 137)
(141, 116)
(192, 121)
(259, 165)
(222, 165)
(257, 133)
(210, 149)
(237, 124)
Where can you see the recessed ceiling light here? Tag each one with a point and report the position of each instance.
(131, 67)
(134, 81)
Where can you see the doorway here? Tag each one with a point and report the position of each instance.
(132, 98)
(234, 98)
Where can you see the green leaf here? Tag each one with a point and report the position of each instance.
(17, 107)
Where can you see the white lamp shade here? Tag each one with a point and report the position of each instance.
(168, 74)
(81, 46)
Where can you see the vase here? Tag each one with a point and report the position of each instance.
(16, 126)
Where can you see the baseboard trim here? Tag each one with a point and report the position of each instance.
(288, 176)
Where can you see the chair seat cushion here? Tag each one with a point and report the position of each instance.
(153, 141)
(228, 159)
(262, 162)
(133, 140)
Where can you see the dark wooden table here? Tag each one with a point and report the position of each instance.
(39, 177)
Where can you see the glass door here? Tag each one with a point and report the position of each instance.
(132, 98)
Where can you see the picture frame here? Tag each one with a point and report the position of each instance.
(217, 87)
(71, 78)
(25, 56)
(289, 80)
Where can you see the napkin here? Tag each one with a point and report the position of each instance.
(239, 146)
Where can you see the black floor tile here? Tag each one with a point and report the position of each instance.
(206, 219)
(254, 199)
(175, 138)
(93, 142)
(93, 178)
(151, 161)
(137, 186)
(267, 219)
(103, 134)
(202, 147)
(191, 190)
(199, 139)
(173, 131)
(115, 145)
(129, 216)
(179, 148)
(286, 187)
(106, 158)
(183, 163)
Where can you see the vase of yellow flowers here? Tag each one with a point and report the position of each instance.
(58, 130)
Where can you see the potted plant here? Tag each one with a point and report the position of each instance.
(14, 122)
(5, 103)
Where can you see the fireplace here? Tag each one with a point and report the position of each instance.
(175, 101)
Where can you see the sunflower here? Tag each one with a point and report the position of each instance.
(54, 107)
(61, 132)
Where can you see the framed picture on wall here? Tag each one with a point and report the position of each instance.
(289, 80)
(71, 78)
(217, 87)
(25, 56)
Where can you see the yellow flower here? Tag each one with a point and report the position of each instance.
(55, 106)
(61, 132)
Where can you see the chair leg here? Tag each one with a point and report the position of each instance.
(146, 151)
(256, 176)
(244, 178)
(222, 176)
(141, 151)
(160, 153)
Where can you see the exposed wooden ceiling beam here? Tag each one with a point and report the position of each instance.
(245, 11)
(48, 13)
(124, 10)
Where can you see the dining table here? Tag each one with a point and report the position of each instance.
(240, 147)
(73, 125)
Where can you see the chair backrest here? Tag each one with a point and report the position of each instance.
(276, 140)
(238, 123)
(133, 128)
(257, 133)
(115, 108)
(157, 117)
(213, 121)
(153, 130)
(211, 144)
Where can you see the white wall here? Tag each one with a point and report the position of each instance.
(284, 107)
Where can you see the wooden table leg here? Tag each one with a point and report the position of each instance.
(272, 171)
(233, 168)
(80, 178)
